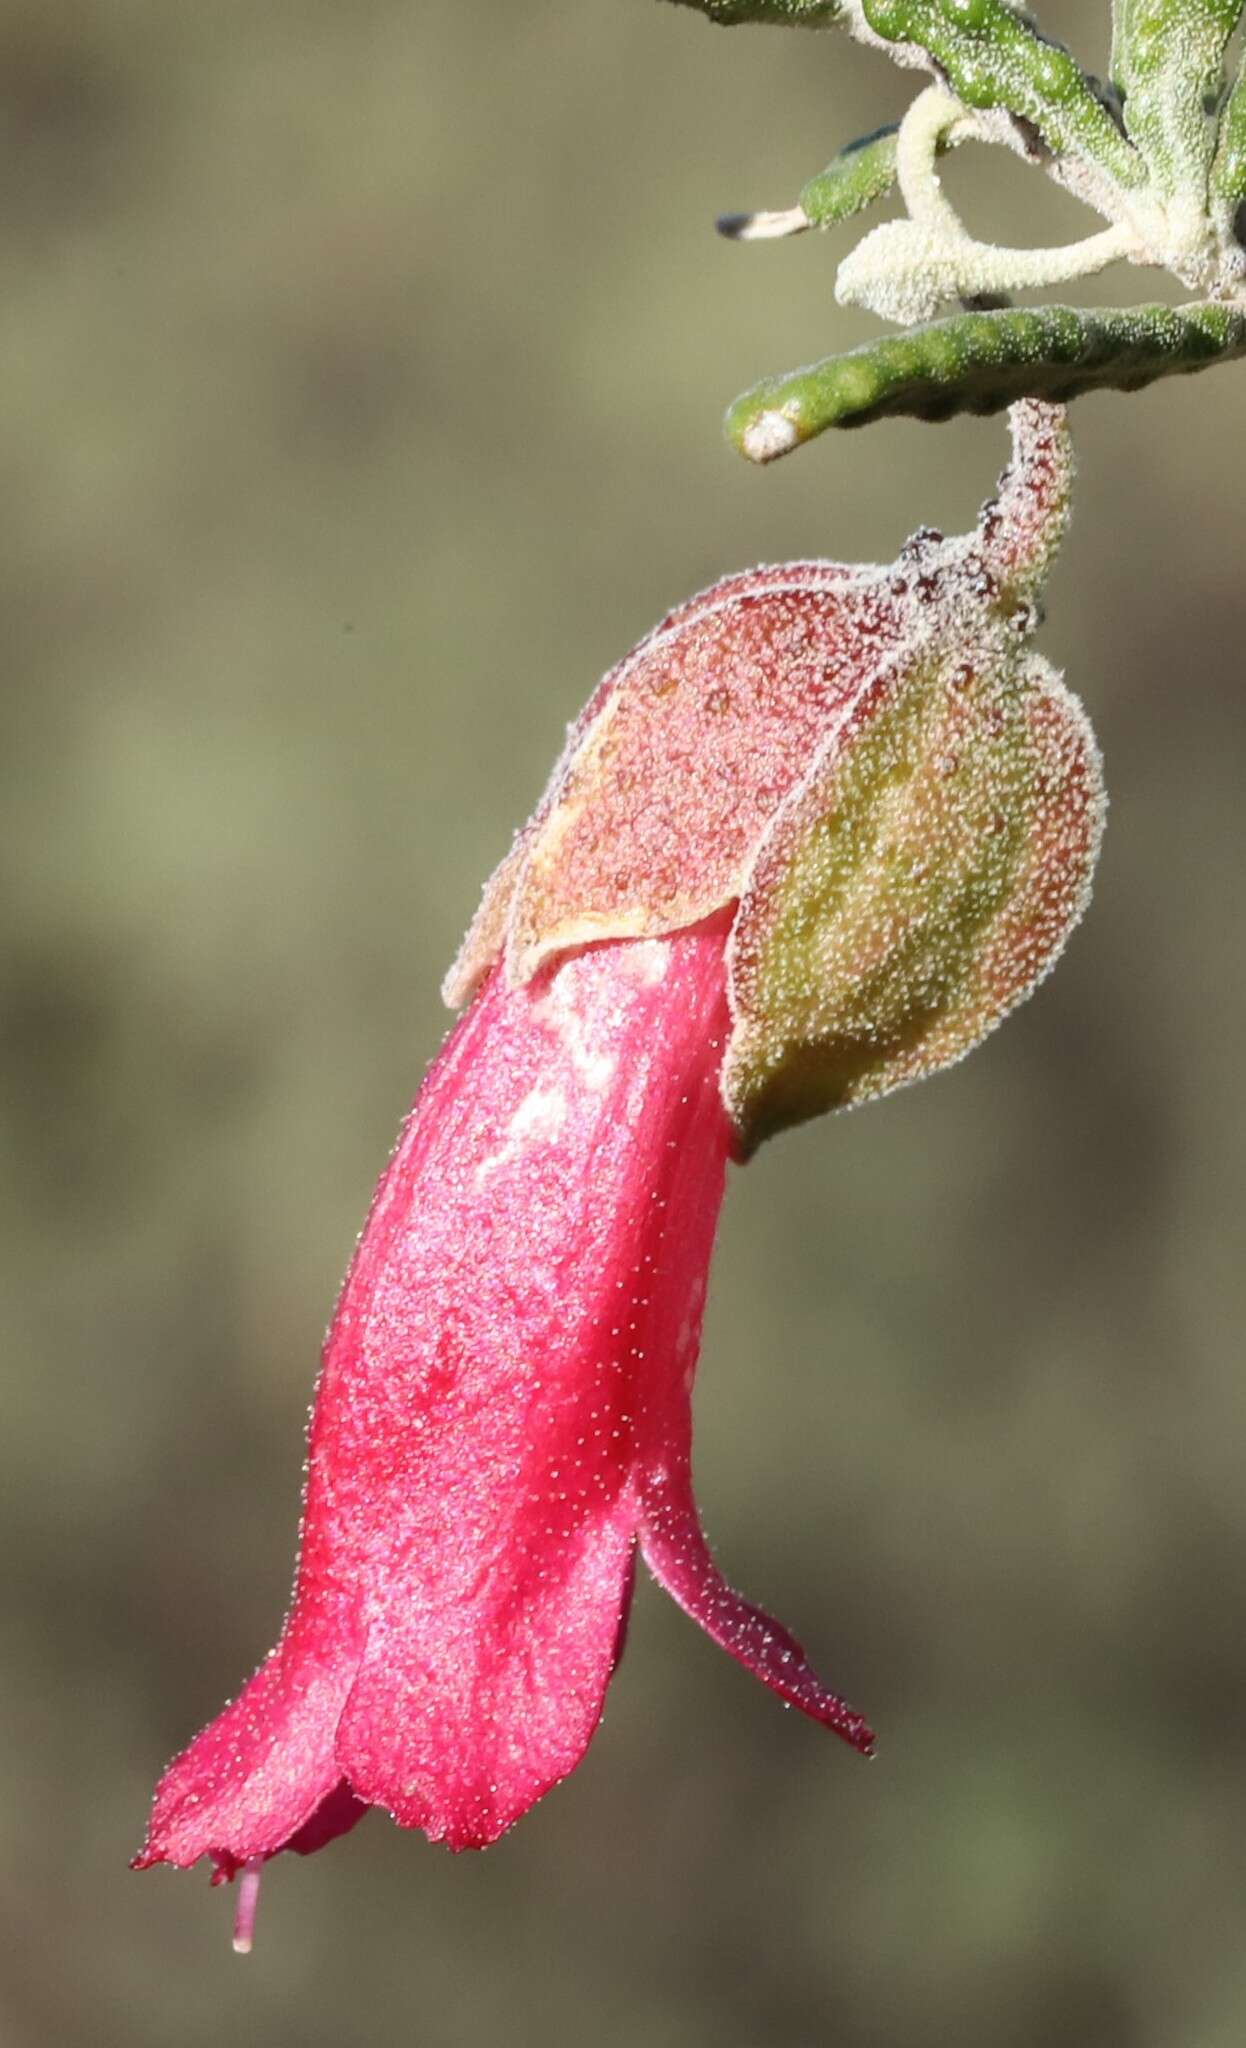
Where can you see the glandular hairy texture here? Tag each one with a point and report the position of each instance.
(897, 803)
(915, 889)
(982, 362)
(672, 773)
(1168, 64)
(681, 759)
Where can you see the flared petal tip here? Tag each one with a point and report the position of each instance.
(154, 1853)
(679, 1557)
(224, 1866)
(855, 1731)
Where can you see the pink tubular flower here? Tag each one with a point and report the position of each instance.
(503, 1412)
(811, 840)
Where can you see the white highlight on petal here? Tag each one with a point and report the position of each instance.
(558, 1012)
(537, 1121)
(645, 962)
(689, 1333)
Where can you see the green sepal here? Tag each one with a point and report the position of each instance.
(917, 888)
(980, 363)
(1168, 66)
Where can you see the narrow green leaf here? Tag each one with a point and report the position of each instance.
(993, 56)
(858, 175)
(981, 362)
(1168, 63)
(1228, 172)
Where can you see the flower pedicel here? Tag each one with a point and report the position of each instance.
(811, 840)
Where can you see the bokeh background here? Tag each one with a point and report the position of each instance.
(360, 375)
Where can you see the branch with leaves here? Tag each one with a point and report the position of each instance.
(1159, 153)
(810, 841)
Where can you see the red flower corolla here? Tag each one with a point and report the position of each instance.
(812, 839)
(503, 1414)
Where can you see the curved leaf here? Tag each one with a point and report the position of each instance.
(981, 362)
(991, 55)
(856, 176)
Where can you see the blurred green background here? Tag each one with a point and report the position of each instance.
(361, 370)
